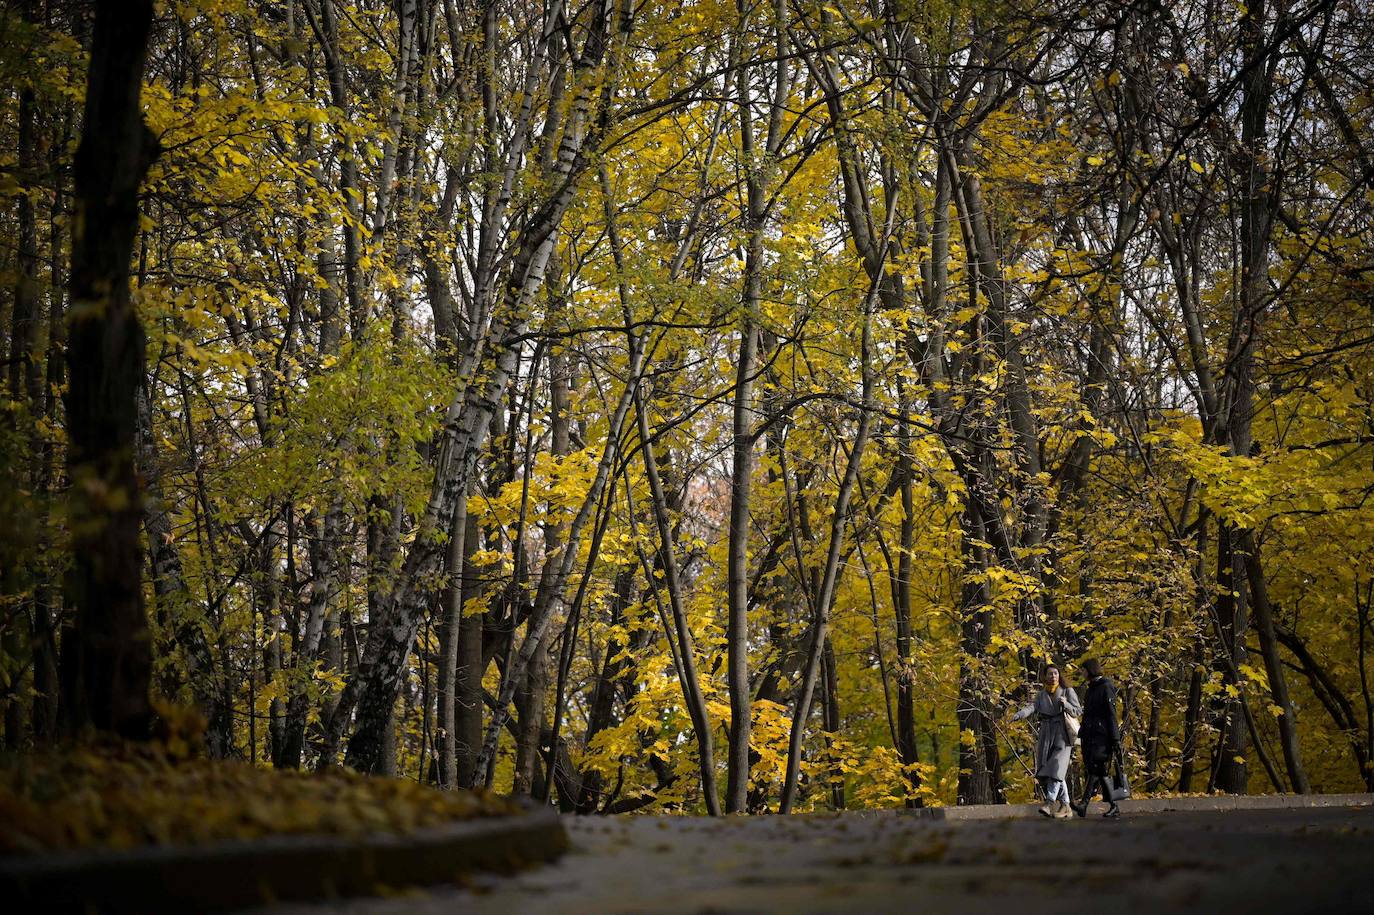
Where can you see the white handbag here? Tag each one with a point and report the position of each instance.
(1071, 726)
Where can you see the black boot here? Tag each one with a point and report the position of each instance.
(1113, 811)
(1082, 809)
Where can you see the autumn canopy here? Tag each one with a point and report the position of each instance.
(690, 407)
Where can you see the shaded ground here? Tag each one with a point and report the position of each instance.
(1239, 861)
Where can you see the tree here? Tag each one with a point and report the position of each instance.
(107, 652)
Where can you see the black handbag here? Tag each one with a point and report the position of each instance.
(1118, 789)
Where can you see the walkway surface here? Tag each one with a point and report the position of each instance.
(1296, 860)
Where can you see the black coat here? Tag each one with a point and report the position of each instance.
(1099, 731)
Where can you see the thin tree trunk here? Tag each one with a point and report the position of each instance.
(553, 583)
(1192, 716)
(24, 390)
(737, 572)
(530, 699)
(1231, 773)
(449, 639)
(324, 539)
(1261, 189)
(742, 452)
(374, 685)
(977, 782)
(692, 693)
(833, 723)
(901, 606)
(175, 605)
(467, 689)
(1334, 700)
(1269, 650)
(48, 603)
(825, 595)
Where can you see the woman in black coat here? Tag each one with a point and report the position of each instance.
(1100, 737)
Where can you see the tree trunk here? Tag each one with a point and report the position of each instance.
(449, 637)
(616, 670)
(692, 693)
(1231, 773)
(174, 604)
(831, 714)
(17, 553)
(1334, 700)
(1273, 667)
(986, 260)
(530, 699)
(324, 541)
(48, 603)
(977, 780)
(901, 607)
(1192, 717)
(467, 688)
(679, 631)
(737, 572)
(824, 597)
(1261, 188)
(373, 686)
(106, 654)
(553, 583)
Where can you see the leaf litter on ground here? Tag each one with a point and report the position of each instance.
(119, 795)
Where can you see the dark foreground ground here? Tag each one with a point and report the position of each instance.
(1317, 860)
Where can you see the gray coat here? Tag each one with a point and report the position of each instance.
(1053, 747)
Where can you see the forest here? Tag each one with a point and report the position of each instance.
(691, 406)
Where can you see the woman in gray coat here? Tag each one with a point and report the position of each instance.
(1054, 746)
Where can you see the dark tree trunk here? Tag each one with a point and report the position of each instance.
(1334, 700)
(48, 604)
(1230, 773)
(616, 675)
(470, 665)
(979, 771)
(530, 701)
(174, 606)
(737, 620)
(451, 606)
(24, 390)
(106, 653)
(1152, 776)
(1191, 718)
(324, 538)
(1261, 188)
(901, 606)
(831, 709)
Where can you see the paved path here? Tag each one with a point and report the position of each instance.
(1318, 860)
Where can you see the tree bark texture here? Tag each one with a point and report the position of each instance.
(106, 654)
